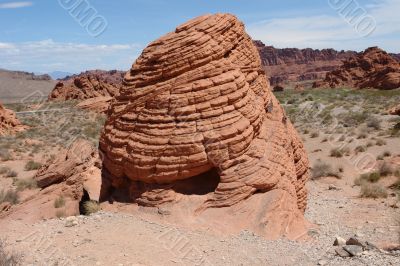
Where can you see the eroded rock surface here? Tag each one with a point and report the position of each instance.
(74, 172)
(395, 110)
(9, 124)
(98, 104)
(373, 68)
(90, 84)
(295, 65)
(198, 101)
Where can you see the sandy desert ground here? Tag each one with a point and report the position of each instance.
(343, 130)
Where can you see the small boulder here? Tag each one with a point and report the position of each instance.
(339, 241)
(342, 253)
(71, 221)
(353, 250)
(353, 241)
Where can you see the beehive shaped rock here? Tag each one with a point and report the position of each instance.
(9, 124)
(197, 100)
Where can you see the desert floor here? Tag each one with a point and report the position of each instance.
(346, 133)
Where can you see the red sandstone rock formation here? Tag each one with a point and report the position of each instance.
(90, 84)
(98, 104)
(395, 110)
(294, 65)
(195, 109)
(9, 124)
(374, 68)
(75, 170)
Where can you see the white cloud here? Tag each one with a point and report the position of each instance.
(47, 56)
(324, 31)
(11, 5)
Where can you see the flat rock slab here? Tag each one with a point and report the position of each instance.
(353, 250)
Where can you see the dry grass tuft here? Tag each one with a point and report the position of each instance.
(375, 191)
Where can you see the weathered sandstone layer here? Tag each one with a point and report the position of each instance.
(89, 84)
(196, 116)
(72, 174)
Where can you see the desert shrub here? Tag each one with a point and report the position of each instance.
(8, 258)
(32, 165)
(370, 144)
(59, 202)
(386, 154)
(23, 184)
(12, 173)
(322, 169)
(374, 123)
(374, 191)
(10, 196)
(339, 152)
(324, 140)
(90, 207)
(395, 131)
(336, 152)
(353, 118)
(380, 142)
(314, 135)
(362, 135)
(5, 155)
(386, 169)
(360, 149)
(306, 131)
(4, 170)
(368, 177)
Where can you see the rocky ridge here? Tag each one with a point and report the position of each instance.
(373, 68)
(87, 85)
(296, 65)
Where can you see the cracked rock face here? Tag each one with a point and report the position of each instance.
(197, 102)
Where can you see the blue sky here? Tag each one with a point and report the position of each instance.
(42, 35)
